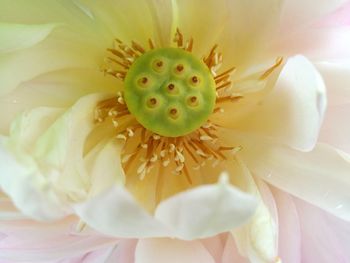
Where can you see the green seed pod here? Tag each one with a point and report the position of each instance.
(170, 91)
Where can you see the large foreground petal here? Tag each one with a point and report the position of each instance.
(218, 208)
(116, 213)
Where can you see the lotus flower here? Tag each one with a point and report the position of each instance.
(174, 131)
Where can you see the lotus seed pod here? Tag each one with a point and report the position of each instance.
(170, 91)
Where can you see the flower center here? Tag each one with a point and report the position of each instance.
(165, 114)
(170, 91)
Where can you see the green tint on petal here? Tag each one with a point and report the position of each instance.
(19, 36)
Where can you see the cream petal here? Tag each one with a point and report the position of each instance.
(171, 251)
(293, 113)
(20, 36)
(162, 12)
(321, 176)
(60, 88)
(127, 20)
(61, 147)
(104, 167)
(218, 208)
(29, 125)
(48, 57)
(240, 29)
(115, 212)
(48, 154)
(254, 86)
(248, 32)
(191, 16)
(23, 181)
(258, 239)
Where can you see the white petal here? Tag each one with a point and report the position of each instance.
(171, 251)
(22, 180)
(45, 158)
(116, 213)
(217, 208)
(292, 114)
(29, 125)
(61, 147)
(321, 176)
(19, 36)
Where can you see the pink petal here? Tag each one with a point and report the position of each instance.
(336, 127)
(324, 238)
(339, 17)
(289, 228)
(299, 13)
(33, 241)
(171, 251)
(215, 247)
(231, 253)
(321, 176)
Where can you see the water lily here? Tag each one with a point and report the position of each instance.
(138, 130)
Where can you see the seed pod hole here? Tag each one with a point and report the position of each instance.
(180, 68)
(171, 87)
(158, 65)
(192, 101)
(194, 80)
(174, 113)
(143, 82)
(152, 102)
